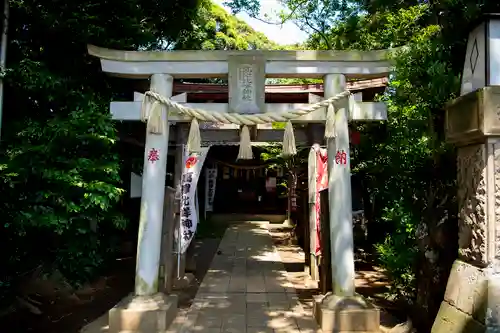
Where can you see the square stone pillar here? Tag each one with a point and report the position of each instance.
(472, 299)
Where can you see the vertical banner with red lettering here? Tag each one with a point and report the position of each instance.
(193, 164)
(321, 184)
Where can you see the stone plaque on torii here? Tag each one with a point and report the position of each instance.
(246, 71)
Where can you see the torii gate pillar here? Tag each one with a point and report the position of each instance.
(342, 310)
(147, 310)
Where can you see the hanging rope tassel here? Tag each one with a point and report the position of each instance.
(144, 108)
(245, 152)
(289, 147)
(155, 122)
(330, 122)
(194, 138)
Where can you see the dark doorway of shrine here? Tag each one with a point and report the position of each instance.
(246, 186)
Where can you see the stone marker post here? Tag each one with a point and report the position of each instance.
(472, 299)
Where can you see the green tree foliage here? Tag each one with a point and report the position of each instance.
(215, 29)
(312, 16)
(58, 161)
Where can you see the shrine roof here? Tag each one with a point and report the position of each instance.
(188, 87)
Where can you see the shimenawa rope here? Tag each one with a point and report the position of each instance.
(152, 113)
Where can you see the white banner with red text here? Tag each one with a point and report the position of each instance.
(192, 166)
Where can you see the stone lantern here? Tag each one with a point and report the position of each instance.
(472, 297)
(482, 59)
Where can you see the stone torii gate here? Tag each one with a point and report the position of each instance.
(246, 72)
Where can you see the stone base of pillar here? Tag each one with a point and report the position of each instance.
(143, 314)
(466, 302)
(184, 281)
(341, 314)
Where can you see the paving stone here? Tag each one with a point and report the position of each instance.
(246, 290)
(259, 330)
(277, 297)
(257, 307)
(234, 330)
(256, 298)
(261, 320)
(256, 288)
(283, 322)
(306, 325)
(209, 321)
(237, 284)
(234, 321)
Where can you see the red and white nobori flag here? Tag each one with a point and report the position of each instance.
(321, 184)
(193, 163)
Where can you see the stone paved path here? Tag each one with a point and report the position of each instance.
(246, 290)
